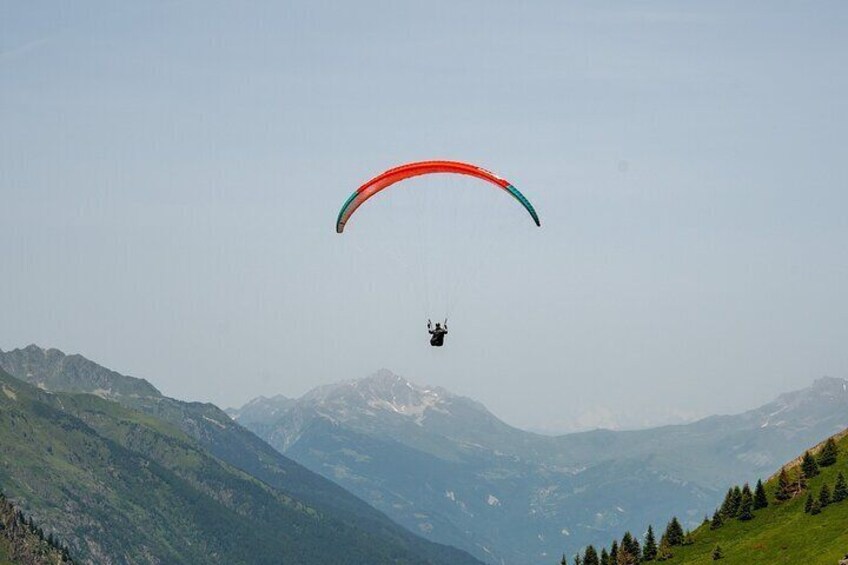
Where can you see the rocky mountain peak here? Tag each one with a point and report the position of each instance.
(831, 385)
(381, 393)
(261, 409)
(822, 389)
(52, 370)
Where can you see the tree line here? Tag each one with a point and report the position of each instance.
(17, 528)
(740, 503)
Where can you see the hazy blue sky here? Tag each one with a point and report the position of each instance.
(170, 174)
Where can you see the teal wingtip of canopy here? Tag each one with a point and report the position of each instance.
(339, 223)
(524, 202)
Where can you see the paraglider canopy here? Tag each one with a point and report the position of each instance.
(409, 170)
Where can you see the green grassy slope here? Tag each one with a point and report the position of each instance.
(781, 533)
(214, 432)
(117, 485)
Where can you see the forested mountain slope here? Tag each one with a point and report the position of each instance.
(119, 486)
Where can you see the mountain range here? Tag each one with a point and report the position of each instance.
(120, 473)
(444, 466)
(440, 465)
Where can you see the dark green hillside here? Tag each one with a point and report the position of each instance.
(214, 432)
(118, 485)
(783, 531)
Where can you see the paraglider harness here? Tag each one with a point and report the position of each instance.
(437, 335)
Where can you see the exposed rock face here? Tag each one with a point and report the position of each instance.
(23, 543)
(50, 369)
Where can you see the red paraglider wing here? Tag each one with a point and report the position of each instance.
(409, 170)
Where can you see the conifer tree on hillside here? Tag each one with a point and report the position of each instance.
(716, 522)
(784, 488)
(746, 507)
(828, 454)
(664, 550)
(577, 560)
(629, 552)
(808, 504)
(760, 498)
(799, 485)
(674, 532)
(735, 501)
(613, 555)
(824, 495)
(815, 508)
(809, 467)
(717, 553)
(563, 561)
(605, 558)
(650, 550)
(625, 557)
(727, 503)
(840, 489)
(590, 557)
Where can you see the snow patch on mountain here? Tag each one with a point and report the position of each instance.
(383, 392)
(414, 407)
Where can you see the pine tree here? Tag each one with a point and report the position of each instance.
(716, 522)
(824, 495)
(563, 561)
(800, 485)
(625, 557)
(809, 503)
(636, 550)
(828, 454)
(717, 553)
(809, 467)
(605, 559)
(840, 489)
(664, 550)
(577, 560)
(629, 551)
(815, 508)
(747, 505)
(613, 555)
(674, 532)
(727, 503)
(590, 557)
(760, 498)
(736, 501)
(650, 550)
(783, 486)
